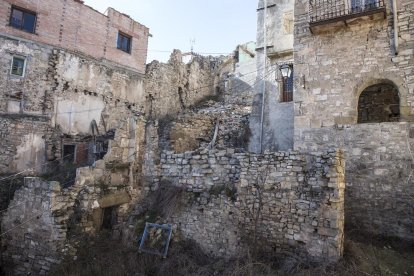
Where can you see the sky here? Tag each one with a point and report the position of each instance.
(216, 26)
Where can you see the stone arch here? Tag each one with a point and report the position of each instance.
(370, 80)
(379, 102)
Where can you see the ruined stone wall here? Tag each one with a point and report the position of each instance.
(175, 86)
(380, 191)
(191, 130)
(61, 93)
(281, 201)
(34, 235)
(23, 143)
(44, 219)
(337, 63)
(87, 90)
(200, 170)
(77, 27)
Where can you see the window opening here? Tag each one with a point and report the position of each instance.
(287, 87)
(69, 152)
(109, 218)
(124, 42)
(23, 19)
(360, 5)
(18, 66)
(379, 103)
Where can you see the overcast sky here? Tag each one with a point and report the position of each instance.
(217, 26)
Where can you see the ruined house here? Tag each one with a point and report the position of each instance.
(226, 199)
(279, 147)
(72, 95)
(350, 86)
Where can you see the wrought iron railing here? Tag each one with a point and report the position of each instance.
(321, 11)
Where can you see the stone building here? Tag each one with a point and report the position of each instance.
(352, 69)
(66, 67)
(220, 195)
(72, 93)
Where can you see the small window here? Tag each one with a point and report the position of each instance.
(23, 19)
(18, 66)
(69, 153)
(287, 88)
(360, 5)
(124, 42)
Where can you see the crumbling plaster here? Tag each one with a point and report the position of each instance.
(64, 92)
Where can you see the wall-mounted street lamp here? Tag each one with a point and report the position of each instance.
(286, 70)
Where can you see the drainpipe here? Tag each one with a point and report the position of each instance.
(395, 12)
(264, 75)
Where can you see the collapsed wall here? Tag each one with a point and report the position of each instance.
(44, 219)
(278, 202)
(174, 86)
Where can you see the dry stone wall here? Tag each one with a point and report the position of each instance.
(45, 218)
(174, 86)
(35, 236)
(285, 200)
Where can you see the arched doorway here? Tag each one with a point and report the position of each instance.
(379, 103)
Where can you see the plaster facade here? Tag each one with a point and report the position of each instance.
(271, 120)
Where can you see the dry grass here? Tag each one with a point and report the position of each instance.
(103, 256)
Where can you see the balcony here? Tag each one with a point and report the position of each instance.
(329, 11)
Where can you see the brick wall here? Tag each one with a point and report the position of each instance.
(75, 26)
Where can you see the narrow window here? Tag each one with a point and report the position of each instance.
(18, 66)
(69, 153)
(287, 87)
(23, 19)
(124, 42)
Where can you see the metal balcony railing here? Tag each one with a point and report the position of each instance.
(327, 11)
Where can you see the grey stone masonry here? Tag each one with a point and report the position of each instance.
(34, 236)
(283, 201)
(344, 71)
(380, 190)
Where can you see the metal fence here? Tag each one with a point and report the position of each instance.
(336, 10)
